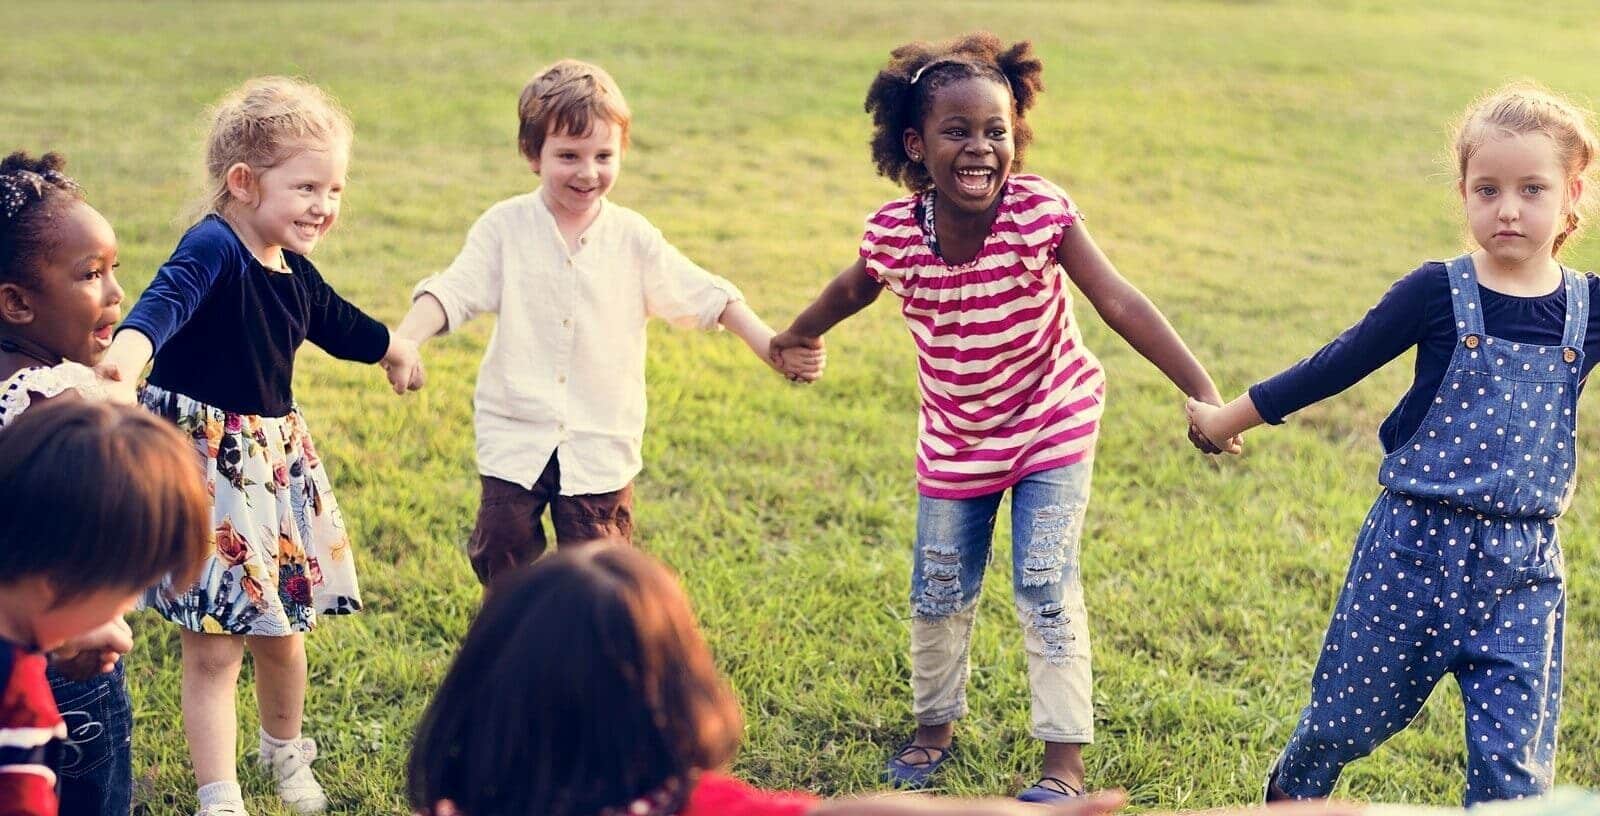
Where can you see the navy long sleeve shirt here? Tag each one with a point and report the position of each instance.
(225, 328)
(1416, 311)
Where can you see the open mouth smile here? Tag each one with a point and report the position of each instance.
(975, 180)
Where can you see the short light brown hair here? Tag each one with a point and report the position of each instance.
(265, 122)
(567, 97)
(1525, 107)
(100, 497)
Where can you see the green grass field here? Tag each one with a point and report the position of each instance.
(1262, 170)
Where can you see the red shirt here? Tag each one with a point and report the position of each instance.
(31, 734)
(718, 795)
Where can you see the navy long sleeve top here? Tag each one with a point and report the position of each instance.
(226, 328)
(1416, 311)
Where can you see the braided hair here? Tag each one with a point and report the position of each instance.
(902, 94)
(33, 193)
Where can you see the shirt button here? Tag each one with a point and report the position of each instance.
(565, 323)
(561, 379)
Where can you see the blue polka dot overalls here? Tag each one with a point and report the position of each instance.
(1458, 568)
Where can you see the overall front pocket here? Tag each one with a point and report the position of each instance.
(1395, 590)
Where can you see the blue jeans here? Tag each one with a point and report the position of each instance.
(96, 772)
(954, 537)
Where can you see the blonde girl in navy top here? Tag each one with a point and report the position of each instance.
(224, 317)
(1458, 568)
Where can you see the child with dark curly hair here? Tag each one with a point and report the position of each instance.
(59, 300)
(980, 256)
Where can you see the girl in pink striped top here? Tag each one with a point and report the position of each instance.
(980, 257)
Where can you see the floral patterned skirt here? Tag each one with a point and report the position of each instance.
(282, 553)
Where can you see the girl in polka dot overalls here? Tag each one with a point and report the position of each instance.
(1458, 568)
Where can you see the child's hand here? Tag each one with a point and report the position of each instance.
(95, 651)
(116, 388)
(1203, 428)
(403, 365)
(797, 357)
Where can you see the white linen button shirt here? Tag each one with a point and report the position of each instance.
(564, 372)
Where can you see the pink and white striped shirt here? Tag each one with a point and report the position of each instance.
(1007, 386)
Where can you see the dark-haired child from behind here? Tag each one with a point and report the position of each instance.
(118, 495)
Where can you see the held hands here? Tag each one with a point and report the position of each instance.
(797, 357)
(95, 651)
(1204, 427)
(114, 386)
(403, 365)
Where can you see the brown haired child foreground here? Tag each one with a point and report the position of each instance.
(97, 502)
(623, 713)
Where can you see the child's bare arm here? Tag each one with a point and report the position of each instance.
(801, 364)
(425, 319)
(849, 292)
(1130, 314)
(95, 651)
(122, 364)
(1225, 422)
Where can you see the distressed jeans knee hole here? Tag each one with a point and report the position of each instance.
(1046, 558)
(1050, 623)
(941, 590)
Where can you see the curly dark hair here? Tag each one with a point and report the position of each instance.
(903, 91)
(32, 192)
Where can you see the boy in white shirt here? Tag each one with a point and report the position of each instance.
(560, 402)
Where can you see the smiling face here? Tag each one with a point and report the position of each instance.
(73, 302)
(966, 142)
(1517, 197)
(578, 171)
(292, 204)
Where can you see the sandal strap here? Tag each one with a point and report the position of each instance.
(1058, 785)
(928, 757)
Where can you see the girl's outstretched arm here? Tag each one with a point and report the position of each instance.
(849, 292)
(1130, 314)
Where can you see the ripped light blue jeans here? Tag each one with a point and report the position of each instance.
(954, 537)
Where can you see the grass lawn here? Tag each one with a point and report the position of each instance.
(1262, 170)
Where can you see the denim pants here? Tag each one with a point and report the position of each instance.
(1434, 590)
(96, 771)
(954, 537)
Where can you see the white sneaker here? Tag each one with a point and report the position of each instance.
(222, 809)
(291, 769)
